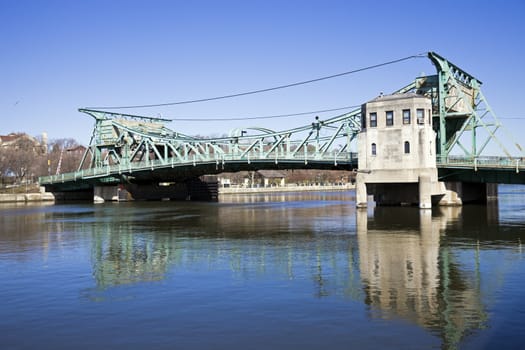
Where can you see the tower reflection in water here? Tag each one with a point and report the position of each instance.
(408, 271)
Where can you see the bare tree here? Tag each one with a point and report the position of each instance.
(24, 157)
(20, 159)
(63, 155)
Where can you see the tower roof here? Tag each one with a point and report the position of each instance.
(396, 97)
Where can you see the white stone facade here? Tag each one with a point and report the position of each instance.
(397, 146)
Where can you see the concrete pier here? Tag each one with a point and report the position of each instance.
(361, 195)
(109, 193)
(458, 193)
(425, 201)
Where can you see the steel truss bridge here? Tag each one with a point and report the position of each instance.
(127, 148)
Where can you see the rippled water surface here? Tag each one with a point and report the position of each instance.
(268, 271)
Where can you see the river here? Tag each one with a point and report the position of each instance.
(263, 271)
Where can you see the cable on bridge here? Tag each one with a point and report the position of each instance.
(267, 89)
(201, 119)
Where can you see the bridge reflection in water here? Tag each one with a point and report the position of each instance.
(251, 235)
(405, 269)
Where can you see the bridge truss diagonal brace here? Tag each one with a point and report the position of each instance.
(451, 85)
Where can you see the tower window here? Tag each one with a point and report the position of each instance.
(389, 118)
(420, 116)
(373, 120)
(374, 149)
(407, 147)
(406, 116)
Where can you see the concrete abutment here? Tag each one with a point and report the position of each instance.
(423, 195)
(459, 193)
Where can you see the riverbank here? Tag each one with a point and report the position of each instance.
(26, 197)
(49, 197)
(288, 188)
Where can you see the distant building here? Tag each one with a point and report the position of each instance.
(270, 178)
(17, 140)
(78, 150)
(280, 178)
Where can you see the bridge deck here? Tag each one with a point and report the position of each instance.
(488, 163)
(487, 169)
(500, 170)
(159, 171)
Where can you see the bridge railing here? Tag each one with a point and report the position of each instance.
(482, 162)
(108, 170)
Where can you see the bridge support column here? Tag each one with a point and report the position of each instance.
(425, 192)
(361, 196)
(453, 191)
(109, 193)
(457, 193)
(492, 192)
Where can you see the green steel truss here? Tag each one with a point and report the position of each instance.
(123, 139)
(462, 117)
(123, 143)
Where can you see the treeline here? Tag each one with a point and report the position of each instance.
(25, 158)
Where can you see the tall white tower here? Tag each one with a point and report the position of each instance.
(397, 160)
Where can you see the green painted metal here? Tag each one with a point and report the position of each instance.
(459, 108)
(498, 170)
(125, 147)
(129, 148)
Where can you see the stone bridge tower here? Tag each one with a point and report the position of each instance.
(397, 159)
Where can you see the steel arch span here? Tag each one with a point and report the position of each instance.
(126, 148)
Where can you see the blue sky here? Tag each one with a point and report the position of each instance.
(58, 56)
